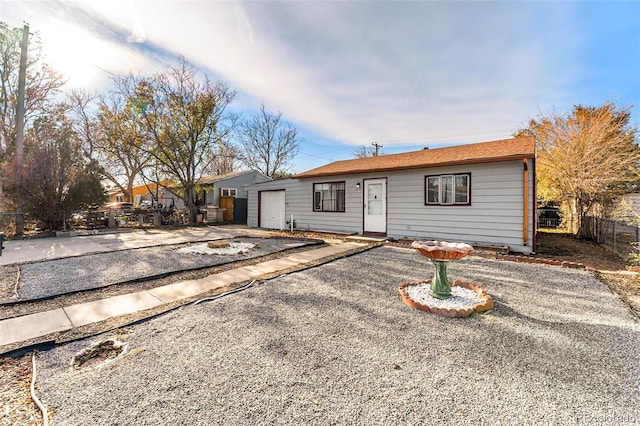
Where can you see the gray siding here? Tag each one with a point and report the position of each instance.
(495, 216)
(252, 191)
(237, 182)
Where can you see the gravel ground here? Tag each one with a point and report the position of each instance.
(335, 345)
(60, 276)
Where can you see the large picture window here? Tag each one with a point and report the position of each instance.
(445, 190)
(328, 197)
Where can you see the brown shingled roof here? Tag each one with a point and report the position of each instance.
(485, 152)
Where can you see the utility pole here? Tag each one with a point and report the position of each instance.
(22, 77)
(378, 146)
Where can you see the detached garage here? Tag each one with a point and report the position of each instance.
(482, 194)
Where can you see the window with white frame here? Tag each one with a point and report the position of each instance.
(446, 190)
(328, 197)
(229, 192)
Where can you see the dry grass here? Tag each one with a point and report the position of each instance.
(8, 280)
(626, 286)
(552, 244)
(17, 408)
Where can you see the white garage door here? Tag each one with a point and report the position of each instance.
(272, 209)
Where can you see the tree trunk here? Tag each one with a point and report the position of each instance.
(128, 194)
(191, 206)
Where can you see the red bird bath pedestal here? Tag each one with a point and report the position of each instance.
(441, 253)
(468, 298)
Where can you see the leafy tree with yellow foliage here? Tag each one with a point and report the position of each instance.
(585, 159)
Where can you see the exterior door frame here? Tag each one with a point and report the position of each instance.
(365, 193)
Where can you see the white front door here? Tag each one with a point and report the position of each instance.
(375, 205)
(272, 209)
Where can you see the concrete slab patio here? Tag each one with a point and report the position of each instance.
(37, 249)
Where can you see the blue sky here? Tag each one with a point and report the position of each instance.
(405, 74)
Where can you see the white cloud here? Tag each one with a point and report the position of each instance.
(359, 72)
(138, 34)
(356, 72)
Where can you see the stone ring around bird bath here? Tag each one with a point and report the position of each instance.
(436, 295)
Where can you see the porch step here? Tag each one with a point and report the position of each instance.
(363, 239)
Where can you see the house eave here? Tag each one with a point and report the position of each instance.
(417, 166)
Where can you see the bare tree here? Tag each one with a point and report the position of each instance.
(123, 145)
(185, 118)
(366, 152)
(268, 144)
(83, 109)
(223, 159)
(586, 158)
(111, 134)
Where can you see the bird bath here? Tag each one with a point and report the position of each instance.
(441, 253)
(436, 295)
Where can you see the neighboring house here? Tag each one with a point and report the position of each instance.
(229, 185)
(227, 192)
(481, 193)
(114, 195)
(629, 207)
(151, 192)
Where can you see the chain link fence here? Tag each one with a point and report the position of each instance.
(618, 236)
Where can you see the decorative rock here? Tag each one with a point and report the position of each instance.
(483, 302)
(218, 244)
(233, 248)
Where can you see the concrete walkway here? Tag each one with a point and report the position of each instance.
(27, 327)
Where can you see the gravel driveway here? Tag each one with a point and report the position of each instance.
(335, 345)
